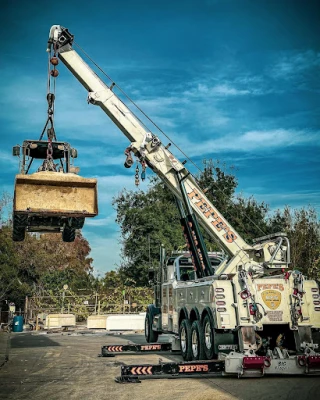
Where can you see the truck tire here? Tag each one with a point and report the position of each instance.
(197, 341)
(151, 336)
(185, 340)
(19, 228)
(18, 234)
(68, 234)
(78, 222)
(208, 338)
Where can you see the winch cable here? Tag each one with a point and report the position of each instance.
(160, 130)
(51, 134)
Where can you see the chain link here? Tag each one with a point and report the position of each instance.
(136, 176)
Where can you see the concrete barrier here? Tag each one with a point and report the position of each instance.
(97, 322)
(123, 322)
(117, 322)
(60, 320)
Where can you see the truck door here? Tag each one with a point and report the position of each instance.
(167, 296)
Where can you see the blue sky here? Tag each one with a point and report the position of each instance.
(235, 80)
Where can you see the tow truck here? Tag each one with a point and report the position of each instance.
(249, 315)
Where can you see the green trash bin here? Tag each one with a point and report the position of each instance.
(17, 324)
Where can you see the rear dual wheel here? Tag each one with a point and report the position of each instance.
(208, 335)
(185, 340)
(196, 339)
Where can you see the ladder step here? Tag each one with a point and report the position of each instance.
(136, 372)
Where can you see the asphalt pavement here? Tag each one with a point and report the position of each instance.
(66, 365)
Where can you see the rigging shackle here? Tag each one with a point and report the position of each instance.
(129, 160)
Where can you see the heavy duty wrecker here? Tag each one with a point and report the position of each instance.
(246, 314)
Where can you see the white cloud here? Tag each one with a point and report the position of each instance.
(226, 90)
(300, 199)
(110, 186)
(254, 141)
(101, 221)
(292, 64)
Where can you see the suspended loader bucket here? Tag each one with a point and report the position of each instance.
(52, 202)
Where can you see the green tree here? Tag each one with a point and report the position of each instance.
(247, 216)
(303, 229)
(40, 262)
(151, 218)
(147, 220)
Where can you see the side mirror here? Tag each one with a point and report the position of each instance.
(74, 153)
(16, 151)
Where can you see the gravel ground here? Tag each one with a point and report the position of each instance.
(59, 366)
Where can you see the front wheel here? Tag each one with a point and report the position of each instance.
(19, 227)
(68, 234)
(18, 234)
(151, 336)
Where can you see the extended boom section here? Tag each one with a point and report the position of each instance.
(159, 159)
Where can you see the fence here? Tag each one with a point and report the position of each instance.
(118, 301)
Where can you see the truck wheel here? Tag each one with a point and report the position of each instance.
(151, 336)
(18, 234)
(208, 338)
(77, 223)
(68, 234)
(197, 341)
(19, 227)
(185, 340)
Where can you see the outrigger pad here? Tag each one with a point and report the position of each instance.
(114, 349)
(200, 369)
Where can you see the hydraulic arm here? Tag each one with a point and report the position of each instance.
(148, 147)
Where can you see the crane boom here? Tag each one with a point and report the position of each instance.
(156, 155)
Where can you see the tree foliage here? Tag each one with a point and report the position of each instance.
(148, 219)
(303, 229)
(40, 262)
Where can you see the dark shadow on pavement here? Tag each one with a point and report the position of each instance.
(31, 340)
